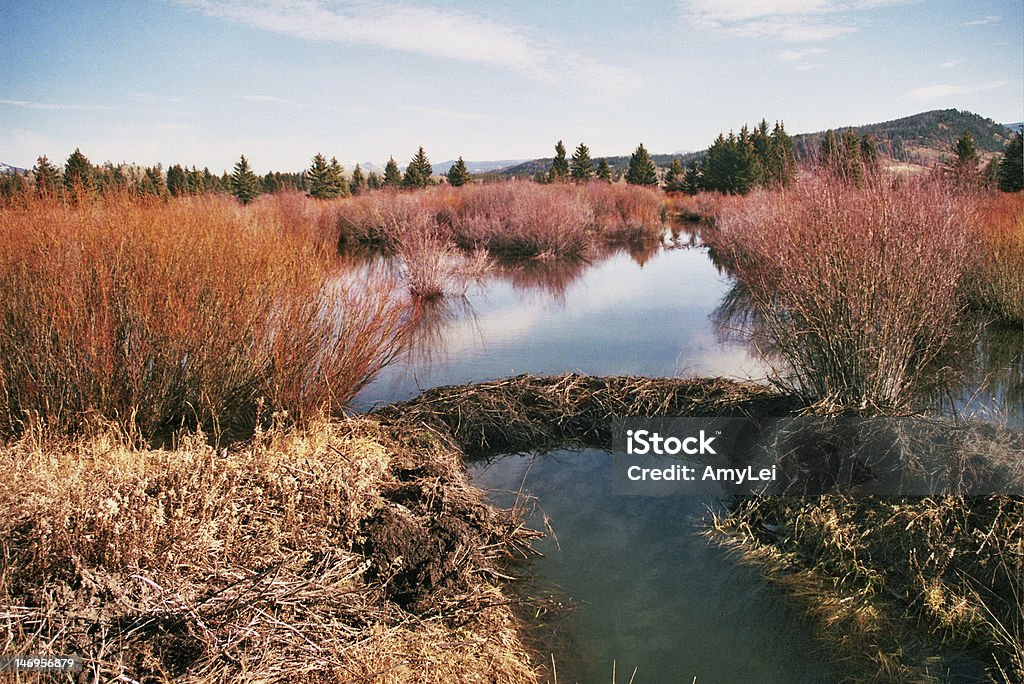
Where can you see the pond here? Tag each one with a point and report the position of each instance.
(647, 590)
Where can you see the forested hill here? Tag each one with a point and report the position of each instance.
(922, 138)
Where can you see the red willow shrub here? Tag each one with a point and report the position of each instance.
(998, 281)
(517, 218)
(858, 289)
(193, 312)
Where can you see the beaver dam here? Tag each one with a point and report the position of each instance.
(368, 556)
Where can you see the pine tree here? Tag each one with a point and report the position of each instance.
(641, 168)
(693, 181)
(966, 155)
(540, 178)
(852, 161)
(417, 174)
(675, 178)
(336, 185)
(782, 161)
(177, 181)
(604, 170)
(358, 181)
(153, 182)
(373, 181)
(830, 150)
(78, 174)
(582, 167)
(559, 172)
(730, 166)
(458, 174)
(244, 183)
(1011, 167)
(47, 177)
(316, 177)
(392, 176)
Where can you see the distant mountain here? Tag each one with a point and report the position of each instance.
(922, 138)
(8, 170)
(1016, 127)
(477, 166)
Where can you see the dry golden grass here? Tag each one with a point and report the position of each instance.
(346, 551)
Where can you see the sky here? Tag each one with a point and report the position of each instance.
(200, 82)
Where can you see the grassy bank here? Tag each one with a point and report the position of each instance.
(348, 551)
(191, 313)
(901, 589)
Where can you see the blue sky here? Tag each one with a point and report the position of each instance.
(202, 81)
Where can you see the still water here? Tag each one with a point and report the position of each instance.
(647, 590)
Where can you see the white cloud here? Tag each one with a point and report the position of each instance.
(434, 32)
(57, 106)
(951, 64)
(984, 21)
(787, 20)
(800, 55)
(942, 90)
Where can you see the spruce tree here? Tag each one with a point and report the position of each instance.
(783, 160)
(358, 181)
(153, 182)
(582, 167)
(244, 183)
(458, 174)
(47, 177)
(965, 163)
(540, 178)
(417, 174)
(78, 173)
(177, 181)
(641, 168)
(559, 172)
(693, 181)
(316, 177)
(675, 178)
(392, 176)
(830, 150)
(1011, 166)
(336, 185)
(373, 181)
(604, 170)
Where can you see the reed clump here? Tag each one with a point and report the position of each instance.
(856, 287)
(348, 550)
(191, 313)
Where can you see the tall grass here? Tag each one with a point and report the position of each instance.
(858, 289)
(196, 312)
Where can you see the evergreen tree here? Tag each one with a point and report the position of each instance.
(417, 174)
(641, 168)
(316, 177)
(966, 152)
(78, 174)
(358, 181)
(559, 172)
(540, 178)
(780, 166)
(336, 185)
(392, 176)
(851, 159)
(458, 174)
(869, 152)
(830, 149)
(177, 181)
(604, 170)
(153, 182)
(373, 181)
(47, 177)
(693, 182)
(582, 166)
(675, 179)
(244, 183)
(1011, 167)
(730, 166)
